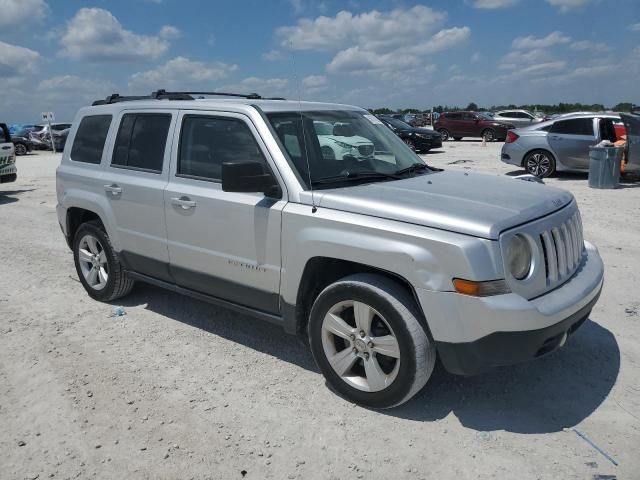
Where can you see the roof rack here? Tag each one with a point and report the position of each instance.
(162, 94)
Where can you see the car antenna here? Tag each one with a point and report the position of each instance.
(314, 207)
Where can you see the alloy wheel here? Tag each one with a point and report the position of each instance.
(539, 164)
(93, 262)
(489, 136)
(360, 346)
(20, 149)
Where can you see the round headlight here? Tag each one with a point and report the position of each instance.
(519, 257)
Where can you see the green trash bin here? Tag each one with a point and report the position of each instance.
(604, 166)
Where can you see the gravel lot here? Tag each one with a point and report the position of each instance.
(177, 388)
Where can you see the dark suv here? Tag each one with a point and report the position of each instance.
(470, 124)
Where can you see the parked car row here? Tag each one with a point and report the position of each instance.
(28, 137)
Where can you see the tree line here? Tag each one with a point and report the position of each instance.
(538, 107)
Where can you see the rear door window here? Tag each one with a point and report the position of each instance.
(454, 116)
(207, 142)
(141, 141)
(575, 126)
(90, 137)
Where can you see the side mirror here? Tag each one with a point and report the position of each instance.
(248, 177)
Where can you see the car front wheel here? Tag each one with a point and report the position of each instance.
(367, 340)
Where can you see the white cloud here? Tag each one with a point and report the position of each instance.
(635, 27)
(586, 45)
(94, 34)
(16, 60)
(493, 4)
(263, 85)
(59, 88)
(15, 13)
(169, 32)
(315, 82)
(375, 41)
(443, 40)
(272, 55)
(181, 72)
(476, 57)
(517, 58)
(357, 60)
(379, 31)
(566, 5)
(555, 38)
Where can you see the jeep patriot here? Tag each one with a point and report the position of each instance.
(318, 218)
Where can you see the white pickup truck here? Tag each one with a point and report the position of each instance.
(8, 170)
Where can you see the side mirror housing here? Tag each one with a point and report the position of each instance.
(249, 177)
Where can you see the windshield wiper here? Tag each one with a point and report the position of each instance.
(415, 167)
(355, 176)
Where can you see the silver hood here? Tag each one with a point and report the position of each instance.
(469, 203)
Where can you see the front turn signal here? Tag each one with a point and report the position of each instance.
(481, 289)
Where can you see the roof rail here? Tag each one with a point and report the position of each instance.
(250, 96)
(162, 94)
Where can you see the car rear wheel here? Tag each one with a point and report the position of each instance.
(367, 340)
(21, 149)
(98, 266)
(444, 133)
(539, 163)
(489, 135)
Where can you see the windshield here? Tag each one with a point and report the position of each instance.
(397, 123)
(350, 145)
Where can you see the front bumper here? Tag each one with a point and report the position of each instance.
(474, 334)
(422, 143)
(8, 172)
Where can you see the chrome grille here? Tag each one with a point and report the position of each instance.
(562, 248)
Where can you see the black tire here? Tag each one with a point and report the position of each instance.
(457, 139)
(417, 353)
(21, 149)
(444, 133)
(540, 163)
(410, 144)
(489, 134)
(118, 283)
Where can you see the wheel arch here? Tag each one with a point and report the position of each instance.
(319, 272)
(76, 216)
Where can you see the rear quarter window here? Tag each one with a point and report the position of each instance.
(4, 134)
(575, 126)
(90, 138)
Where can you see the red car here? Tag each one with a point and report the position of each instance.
(457, 125)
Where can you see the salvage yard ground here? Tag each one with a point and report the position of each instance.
(177, 388)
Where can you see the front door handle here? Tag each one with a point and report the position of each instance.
(184, 202)
(114, 189)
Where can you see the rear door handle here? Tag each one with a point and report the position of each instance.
(114, 189)
(184, 202)
(6, 147)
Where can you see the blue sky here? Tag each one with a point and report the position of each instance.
(59, 55)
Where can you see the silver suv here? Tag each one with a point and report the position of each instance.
(382, 262)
